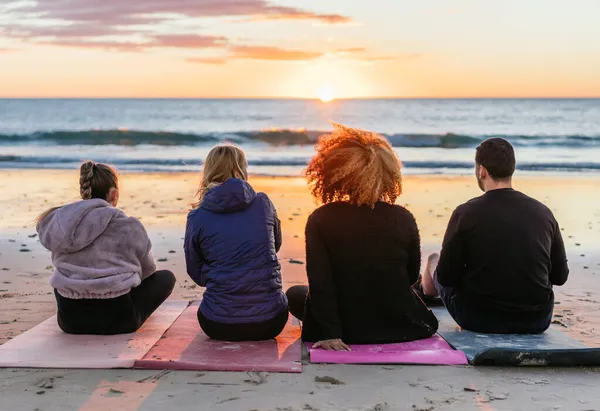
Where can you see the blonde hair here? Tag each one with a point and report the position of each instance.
(223, 162)
(95, 181)
(355, 166)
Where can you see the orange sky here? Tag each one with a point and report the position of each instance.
(293, 48)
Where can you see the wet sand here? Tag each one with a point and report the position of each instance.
(162, 202)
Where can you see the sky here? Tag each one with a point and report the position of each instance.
(299, 48)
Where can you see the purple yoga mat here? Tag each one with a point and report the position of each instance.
(185, 347)
(431, 351)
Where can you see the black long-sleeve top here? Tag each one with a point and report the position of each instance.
(503, 252)
(361, 264)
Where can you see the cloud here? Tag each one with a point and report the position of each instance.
(107, 45)
(293, 14)
(5, 50)
(96, 23)
(272, 53)
(120, 11)
(178, 41)
(115, 12)
(188, 41)
(290, 13)
(20, 30)
(258, 53)
(207, 60)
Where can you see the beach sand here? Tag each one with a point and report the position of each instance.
(161, 201)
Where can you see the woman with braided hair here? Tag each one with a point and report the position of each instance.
(105, 279)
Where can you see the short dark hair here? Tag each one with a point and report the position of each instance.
(498, 157)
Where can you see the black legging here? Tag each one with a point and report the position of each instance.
(297, 300)
(121, 315)
(265, 330)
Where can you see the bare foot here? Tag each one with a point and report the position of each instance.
(428, 285)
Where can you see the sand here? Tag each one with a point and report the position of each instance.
(162, 202)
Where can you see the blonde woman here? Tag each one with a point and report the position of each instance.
(231, 243)
(104, 279)
(363, 251)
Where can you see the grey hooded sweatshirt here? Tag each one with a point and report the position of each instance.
(97, 251)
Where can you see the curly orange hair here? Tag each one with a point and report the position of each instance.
(354, 166)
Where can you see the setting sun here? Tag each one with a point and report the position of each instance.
(326, 94)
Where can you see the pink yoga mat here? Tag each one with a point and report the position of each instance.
(431, 351)
(46, 346)
(185, 347)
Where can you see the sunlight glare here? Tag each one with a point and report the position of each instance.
(326, 94)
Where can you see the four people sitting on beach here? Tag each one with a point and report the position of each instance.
(501, 254)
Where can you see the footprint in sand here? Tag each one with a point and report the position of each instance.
(329, 380)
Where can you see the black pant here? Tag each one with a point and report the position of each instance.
(265, 330)
(121, 315)
(477, 319)
(297, 300)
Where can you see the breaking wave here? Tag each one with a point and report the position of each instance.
(278, 137)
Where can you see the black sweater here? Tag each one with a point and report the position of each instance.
(361, 263)
(502, 252)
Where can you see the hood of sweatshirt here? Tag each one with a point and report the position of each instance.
(75, 226)
(232, 196)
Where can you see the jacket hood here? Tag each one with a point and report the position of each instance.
(75, 226)
(231, 196)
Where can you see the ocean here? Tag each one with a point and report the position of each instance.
(278, 135)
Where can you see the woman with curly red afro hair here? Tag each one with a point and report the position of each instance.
(355, 166)
(363, 251)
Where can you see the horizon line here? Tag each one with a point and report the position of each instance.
(308, 98)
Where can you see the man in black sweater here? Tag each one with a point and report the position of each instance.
(501, 254)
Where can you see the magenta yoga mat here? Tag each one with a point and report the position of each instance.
(430, 351)
(185, 347)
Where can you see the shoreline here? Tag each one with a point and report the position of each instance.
(410, 172)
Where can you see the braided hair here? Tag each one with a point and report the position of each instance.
(96, 180)
(86, 175)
